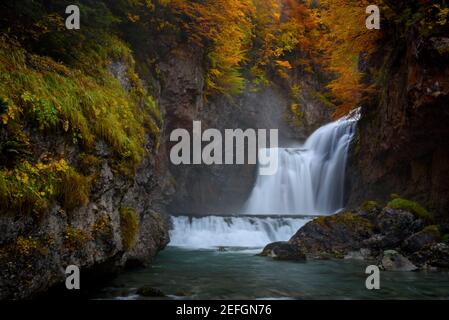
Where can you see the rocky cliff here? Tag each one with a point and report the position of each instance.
(402, 142)
(90, 208)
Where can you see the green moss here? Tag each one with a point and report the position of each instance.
(129, 226)
(350, 220)
(370, 206)
(411, 206)
(433, 229)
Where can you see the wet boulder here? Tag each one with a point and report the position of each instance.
(148, 291)
(394, 261)
(424, 238)
(333, 236)
(282, 251)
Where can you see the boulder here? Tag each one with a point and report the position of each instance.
(394, 261)
(436, 255)
(282, 251)
(147, 291)
(396, 225)
(421, 239)
(333, 236)
(362, 254)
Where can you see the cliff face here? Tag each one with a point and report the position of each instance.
(402, 146)
(119, 224)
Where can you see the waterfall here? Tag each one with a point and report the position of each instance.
(232, 231)
(309, 181)
(310, 178)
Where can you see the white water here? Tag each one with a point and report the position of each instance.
(247, 232)
(309, 181)
(310, 178)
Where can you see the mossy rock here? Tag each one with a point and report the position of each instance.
(148, 291)
(411, 206)
(370, 206)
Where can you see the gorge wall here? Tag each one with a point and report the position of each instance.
(402, 145)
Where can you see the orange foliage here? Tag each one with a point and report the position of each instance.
(347, 38)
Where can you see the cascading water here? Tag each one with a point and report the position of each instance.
(309, 181)
(310, 178)
(248, 232)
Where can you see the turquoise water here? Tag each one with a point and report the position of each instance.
(239, 274)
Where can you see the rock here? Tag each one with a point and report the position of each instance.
(421, 239)
(147, 291)
(436, 255)
(333, 236)
(396, 226)
(282, 251)
(393, 261)
(362, 254)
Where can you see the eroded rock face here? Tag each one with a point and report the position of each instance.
(89, 237)
(35, 251)
(402, 141)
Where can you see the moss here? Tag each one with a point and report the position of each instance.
(349, 219)
(369, 206)
(432, 229)
(411, 206)
(75, 239)
(129, 226)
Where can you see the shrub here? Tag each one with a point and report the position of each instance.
(26, 246)
(102, 225)
(75, 239)
(129, 226)
(74, 189)
(411, 206)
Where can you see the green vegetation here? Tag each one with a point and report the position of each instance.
(129, 226)
(70, 93)
(348, 219)
(411, 206)
(369, 206)
(433, 229)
